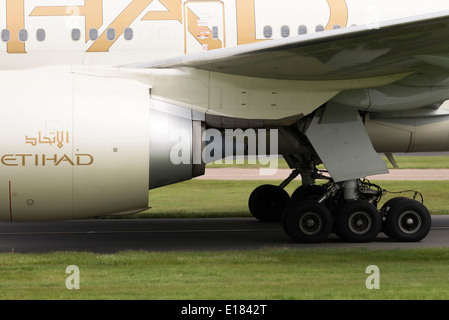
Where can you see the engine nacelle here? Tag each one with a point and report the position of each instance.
(413, 131)
(74, 146)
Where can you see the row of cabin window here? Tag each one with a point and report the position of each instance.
(76, 34)
(285, 30)
(128, 33)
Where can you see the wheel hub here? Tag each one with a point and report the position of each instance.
(359, 222)
(310, 223)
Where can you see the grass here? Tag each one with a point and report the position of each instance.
(210, 198)
(270, 274)
(404, 162)
(420, 162)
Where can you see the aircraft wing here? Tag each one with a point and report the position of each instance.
(392, 47)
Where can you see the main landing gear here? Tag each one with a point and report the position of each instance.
(347, 208)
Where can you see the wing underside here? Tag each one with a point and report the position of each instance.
(393, 47)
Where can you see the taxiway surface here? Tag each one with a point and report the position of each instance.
(109, 236)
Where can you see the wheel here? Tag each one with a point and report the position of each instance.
(408, 220)
(311, 192)
(358, 221)
(307, 221)
(387, 205)
(385, 209)
(267, 202)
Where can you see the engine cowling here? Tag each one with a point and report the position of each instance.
(75, 146)
(424, 130)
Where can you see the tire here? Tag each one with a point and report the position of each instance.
(385, 209)
(358, 221)
(313, 192)
(307, 221)
(267, 203)
(408, 220)
(310, 192)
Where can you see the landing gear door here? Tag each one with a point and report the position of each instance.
(204, 26)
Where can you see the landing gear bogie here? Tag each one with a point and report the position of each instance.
(348, 208)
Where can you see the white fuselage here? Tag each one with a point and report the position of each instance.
(36, 33)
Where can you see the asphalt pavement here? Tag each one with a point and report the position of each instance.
(114, 235)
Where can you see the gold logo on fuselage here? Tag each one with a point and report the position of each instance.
(338, 13)
(92, 11)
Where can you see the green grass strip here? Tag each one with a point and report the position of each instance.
(403, 160)
(273, 274)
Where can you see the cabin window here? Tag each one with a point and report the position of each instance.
(319, 28)
(5, 35)
(76, 34)
(23, 35)
(267, 31)
(128, 33)
(337, 26)
(302, 29)
(40, 34)
(93, 34)
(110, 34)
(285, 31)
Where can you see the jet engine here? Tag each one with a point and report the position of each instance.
(75, 145)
